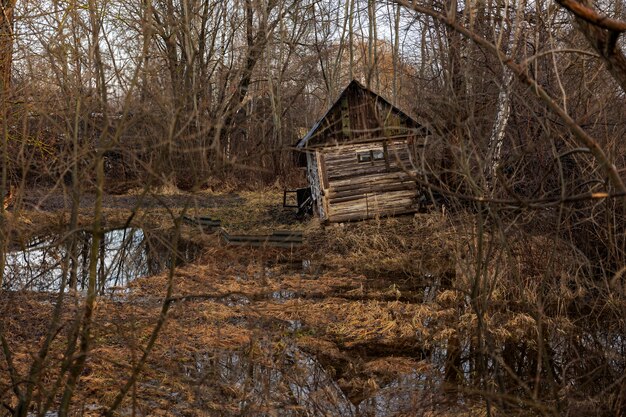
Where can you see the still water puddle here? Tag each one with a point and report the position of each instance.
(401, 396)
(282, 296)
(124, 255)
(292, 382)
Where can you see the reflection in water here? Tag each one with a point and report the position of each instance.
(125, 254)
(402, 396)
(265, 380)
(282, 296)
(290, 383)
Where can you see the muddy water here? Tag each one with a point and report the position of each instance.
(124, 255)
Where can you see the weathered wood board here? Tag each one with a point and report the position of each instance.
(280, 239)
(362, 158)
(359, 190)
(206, 223)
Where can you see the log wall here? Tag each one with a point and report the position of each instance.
(354, 190)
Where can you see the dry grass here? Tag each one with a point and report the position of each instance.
(231, 308)
(359, 306)
(407, 246)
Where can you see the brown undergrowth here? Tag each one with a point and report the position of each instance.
(396, 313)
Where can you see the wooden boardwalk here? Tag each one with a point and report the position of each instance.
(205, 223)
(278, 238)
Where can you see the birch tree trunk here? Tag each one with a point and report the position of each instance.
(499, 127)
(503, 105)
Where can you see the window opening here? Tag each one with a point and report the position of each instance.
(378, 155)
(364, 156)
(371, 155)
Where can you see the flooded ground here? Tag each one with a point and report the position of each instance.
(290, 381)
(253, 332)
(124, 254)
(363, 320)
(266, 378)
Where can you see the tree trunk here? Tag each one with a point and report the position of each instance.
(602, 34)
(6, 46)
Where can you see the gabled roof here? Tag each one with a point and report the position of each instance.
(354, 84)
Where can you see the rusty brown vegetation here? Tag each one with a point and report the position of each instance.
(361, 326)
(376, 304)
(506, 297)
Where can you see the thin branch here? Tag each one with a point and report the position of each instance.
(558, 51)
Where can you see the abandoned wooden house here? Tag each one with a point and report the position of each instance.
(361, 157)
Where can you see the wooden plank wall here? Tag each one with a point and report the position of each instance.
(314, 182)
(359, 190)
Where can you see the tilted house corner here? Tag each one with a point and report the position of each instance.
(361, 156)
